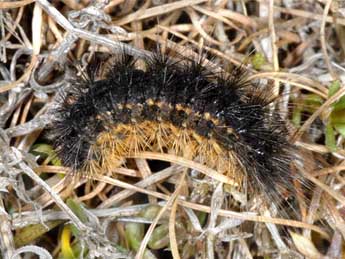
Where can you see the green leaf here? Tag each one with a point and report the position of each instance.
(330, 137)
(79, 211)
(258, 60)
(160, 237)
(134, 235)
(340, 128)
(46, 151)
(150, 212)
(312, 102)
(314, 99)
(337, 117)
(297, 116)
(339, 105)
(333, 88)
(29, 234)
(202, 216)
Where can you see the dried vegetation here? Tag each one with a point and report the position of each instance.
(153, 212)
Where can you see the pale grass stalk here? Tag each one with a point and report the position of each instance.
(148, 234)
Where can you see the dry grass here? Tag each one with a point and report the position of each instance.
(297, 46)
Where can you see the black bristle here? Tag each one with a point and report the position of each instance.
(259, 138)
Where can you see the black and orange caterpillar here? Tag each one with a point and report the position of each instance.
(175, 105)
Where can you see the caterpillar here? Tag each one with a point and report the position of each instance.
(175, 105)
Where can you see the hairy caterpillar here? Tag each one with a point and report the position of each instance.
(175, 105)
